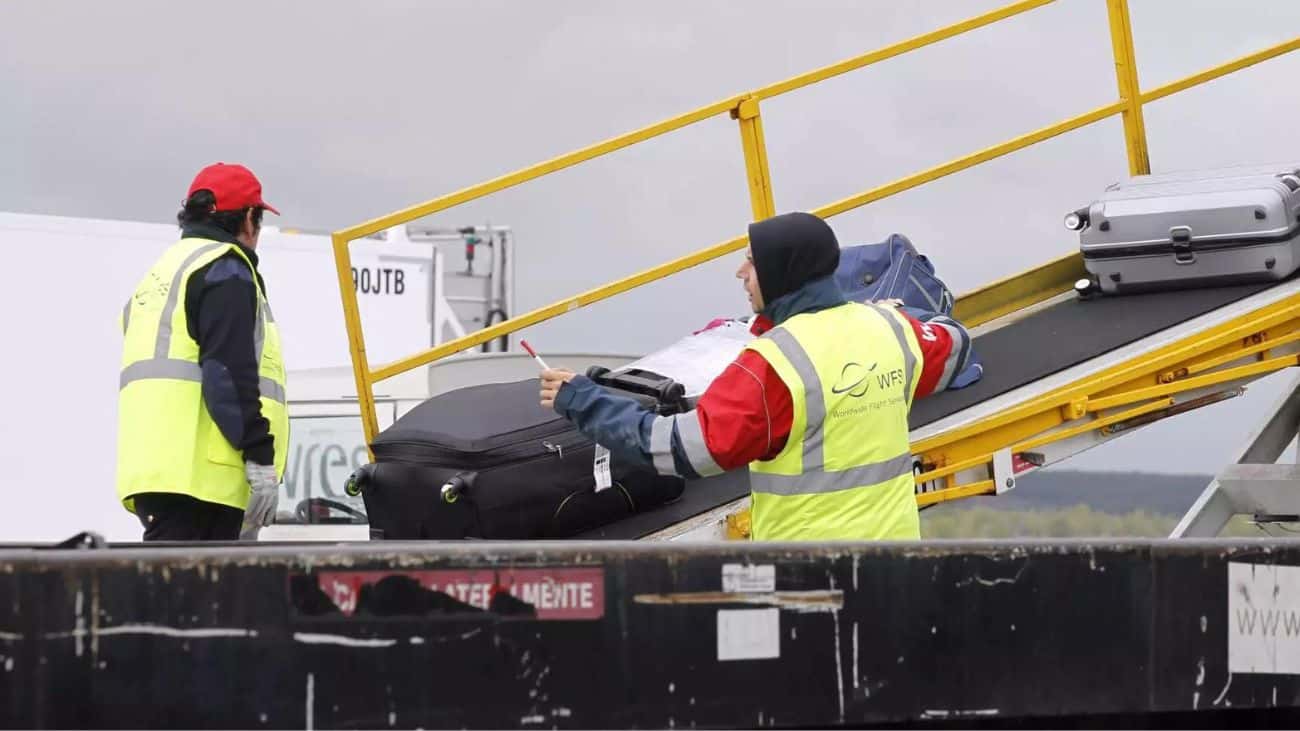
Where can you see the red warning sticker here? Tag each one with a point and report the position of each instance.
(1020, 464)
(553, 593)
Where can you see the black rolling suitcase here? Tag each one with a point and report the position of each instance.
(489, 462)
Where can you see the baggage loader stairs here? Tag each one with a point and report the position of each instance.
(1114, 366)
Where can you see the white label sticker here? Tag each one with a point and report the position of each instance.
(749, 634)
(1263, 619)
(600, 469)
(749, 579)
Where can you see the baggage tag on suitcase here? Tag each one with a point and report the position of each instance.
(600, 469)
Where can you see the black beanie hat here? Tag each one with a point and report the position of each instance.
(791, 250)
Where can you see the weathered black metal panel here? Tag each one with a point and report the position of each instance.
(1191, 626)
(624, 635)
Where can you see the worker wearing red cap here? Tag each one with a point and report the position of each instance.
(202, 424)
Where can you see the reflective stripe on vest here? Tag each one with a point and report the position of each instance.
(185, 370)
(814, 458)
(162, 345)
(821, 481)
(160, 366)
(909, 358)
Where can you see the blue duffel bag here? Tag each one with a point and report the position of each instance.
(892, 269)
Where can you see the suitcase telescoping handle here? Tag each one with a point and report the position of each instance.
(669, 395)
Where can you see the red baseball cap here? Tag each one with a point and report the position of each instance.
(234, 186)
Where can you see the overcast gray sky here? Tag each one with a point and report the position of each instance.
(349, 110)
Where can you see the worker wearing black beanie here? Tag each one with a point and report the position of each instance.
(791, 250)
(790, 266)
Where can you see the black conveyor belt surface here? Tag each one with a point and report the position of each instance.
(700, 496)
(1067, 334)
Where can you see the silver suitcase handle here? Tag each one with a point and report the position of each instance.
(1182, 238)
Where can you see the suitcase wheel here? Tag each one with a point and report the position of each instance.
(358, 480)
(1086, 288)
(457, 486)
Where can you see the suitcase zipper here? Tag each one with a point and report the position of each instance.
(1161, 248)
(930, 300)
(424, 454)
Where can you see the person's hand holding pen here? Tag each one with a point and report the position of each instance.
(552, 378)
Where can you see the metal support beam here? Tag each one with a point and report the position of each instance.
(1256, 489)
(1216, 505)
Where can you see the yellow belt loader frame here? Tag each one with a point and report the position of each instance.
(977, 456)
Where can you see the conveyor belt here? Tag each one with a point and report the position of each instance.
(1067, 334)
(1040, 344)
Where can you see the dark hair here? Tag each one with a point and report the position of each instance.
(198, 209)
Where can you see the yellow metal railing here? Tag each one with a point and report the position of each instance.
(972, 308)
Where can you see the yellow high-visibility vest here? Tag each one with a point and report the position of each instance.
(846, 470)
(167, 440)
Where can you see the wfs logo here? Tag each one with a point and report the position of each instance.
(855, 379)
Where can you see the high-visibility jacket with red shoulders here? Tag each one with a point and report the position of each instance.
(746, 413)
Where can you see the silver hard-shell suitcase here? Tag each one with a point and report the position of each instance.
(1193, 228)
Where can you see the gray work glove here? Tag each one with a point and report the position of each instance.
(263, 492)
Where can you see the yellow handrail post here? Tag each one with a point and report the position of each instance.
(356, 340)
(755, 148)
(1135, 129)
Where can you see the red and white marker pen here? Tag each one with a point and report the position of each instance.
(533, 353)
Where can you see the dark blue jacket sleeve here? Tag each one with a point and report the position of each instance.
(618, 423)
(222, 304)
(962, 366)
